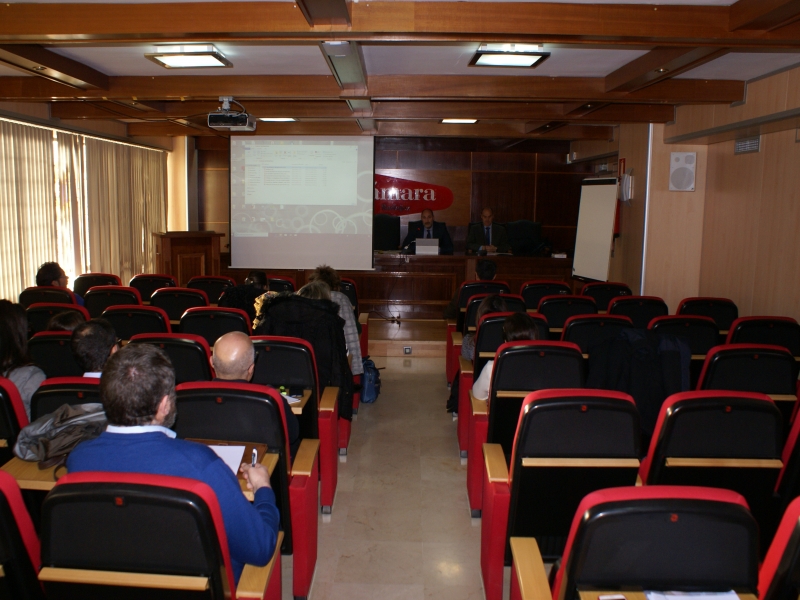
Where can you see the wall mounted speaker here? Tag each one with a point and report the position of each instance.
(681, 171)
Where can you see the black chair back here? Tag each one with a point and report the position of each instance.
(212, 285)
(189, 354)
(605, 292)
(39, 315)
(722, 310)
(640, 309)
(99, 298)
(579, 426)
(489, 336)
(148, 283)
(83, 283)
(349, 289)
(240, 412)
(12, 418)
(533, 291)
(779, 577)
(471, 288)
(524, 367)
(46, 293)
(58, 391)
(280, 284)
(513, 302)
(557, 309)
(176, 301)
(385, 232)
(587, 331)
(212, 323)
(131, 320)
(19, 543)
(51, 351)
(777, 331)
(524, 237)
(700, 333)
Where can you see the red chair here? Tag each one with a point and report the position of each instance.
(290, 363)
(39, 314)
(176, 301)
(100, 531)
(678, 538)
(190, 354)
(701, 333)
(640, 309)
(557, 309)
(12, 418)
(147, 283)
(57, 391)
(83, 283)
(46, 293)
(777, 331)
(101, 297)
(129, 320)
(533, 291)
(514, 303)
(605, 291)
(244, 412)
(568, 444)
(212, 285)
(281, 284)
(722, 310)
(212, 323)
(20, 560)
(51, 351)
(587, 331)
(778, 577)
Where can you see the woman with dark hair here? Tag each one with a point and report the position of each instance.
(15, 362)
(493, 303)
(518, 326)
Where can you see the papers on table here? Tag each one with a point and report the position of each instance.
(231, 456)
(291, 399)
(691, 595)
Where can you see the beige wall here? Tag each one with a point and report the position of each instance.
(177, 195)
(752, 223)
(674, 226)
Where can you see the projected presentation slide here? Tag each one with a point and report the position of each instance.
(297, 202)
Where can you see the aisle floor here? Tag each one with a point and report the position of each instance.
(400, 527)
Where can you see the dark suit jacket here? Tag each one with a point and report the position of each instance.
(439, 231)
(476, 239)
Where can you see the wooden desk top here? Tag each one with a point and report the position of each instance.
(297, 407)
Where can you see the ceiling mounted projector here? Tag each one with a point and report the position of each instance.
(225, 119)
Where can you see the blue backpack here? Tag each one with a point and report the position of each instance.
(370, 382)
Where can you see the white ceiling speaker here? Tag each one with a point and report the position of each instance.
(681, 171)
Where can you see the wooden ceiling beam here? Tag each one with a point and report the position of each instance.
(325, 12)
(387, 21)
(51, 66)
(345, 127)
(431, 129)
(657, 65)
(249, 89)
(763, 14)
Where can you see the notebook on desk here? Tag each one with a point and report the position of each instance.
(428, 246)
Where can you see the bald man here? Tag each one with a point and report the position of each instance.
(234, 361)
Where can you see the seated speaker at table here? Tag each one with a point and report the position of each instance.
(428, 228)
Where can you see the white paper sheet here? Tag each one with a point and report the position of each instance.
(291, 399)
(691, 595)
(231, 455)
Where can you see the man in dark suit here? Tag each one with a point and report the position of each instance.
(428, 228)
(486, 236)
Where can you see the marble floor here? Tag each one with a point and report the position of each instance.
(400, 527)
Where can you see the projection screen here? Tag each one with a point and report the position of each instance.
(301, 201)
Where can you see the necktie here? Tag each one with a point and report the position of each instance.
(488, 236)
(428, 233)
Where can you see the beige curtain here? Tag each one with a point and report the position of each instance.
(71, 206)
(125, 205)
(28, 214)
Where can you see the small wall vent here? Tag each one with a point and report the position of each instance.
(747, 145)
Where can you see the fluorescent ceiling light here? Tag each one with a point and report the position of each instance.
(508, 55)
(462, 121)
(277, 119)
(188, 56)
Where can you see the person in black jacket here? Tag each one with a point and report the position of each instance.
(428, 228)
(317, 321)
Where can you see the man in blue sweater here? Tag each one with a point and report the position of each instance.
(138, 394)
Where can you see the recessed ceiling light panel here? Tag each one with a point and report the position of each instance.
(509, 55)
(277, 119)
(460, 121)
(188, 56)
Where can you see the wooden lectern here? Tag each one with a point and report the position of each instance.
(186, 254)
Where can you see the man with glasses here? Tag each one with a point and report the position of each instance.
(51, 273)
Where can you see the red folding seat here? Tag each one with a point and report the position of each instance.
(701, 333)
(568, 443)
(147, 283)
(190, 354)
(39, 314)
(12, 418)
(101, 297)
(129, 320)
(722, 310)
(536, 289)
(779, 576)
(83, 283)
(640, 309)
(590, 330)
(514, 303)
(281, 284)
(46, 293)
(20, 560)
(604, 292)
(51, 351)
(245, 412)
(176, 301)
(776, 331)
(57, 391)
(212, 323)
(557, 309)
(212, 285)
(131, 535)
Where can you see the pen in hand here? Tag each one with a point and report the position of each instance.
(254, 458)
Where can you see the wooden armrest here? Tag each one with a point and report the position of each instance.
(254, 580)
(585, 356)
(174, 322)
(137, 580)
(738, 463)
(465, 365)
(556, 329)
(511, 394)
(698, 356)
(602, 312)
(783, 397)
(495, 460)
(458, 338)
(532, 311)
(329, 396)
(529, 566)
(797, 358)
(304, 461)
(3, 443)
(363, 318)
(452, 322)
(479, 407)
(463, 309)
(632, 463)
(486, 354)
(723, 332)
(471, 328)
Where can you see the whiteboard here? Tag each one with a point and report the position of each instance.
(595, 229)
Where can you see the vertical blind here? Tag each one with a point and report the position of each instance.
(90, 204)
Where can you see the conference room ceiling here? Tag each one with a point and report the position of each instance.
(610, 63)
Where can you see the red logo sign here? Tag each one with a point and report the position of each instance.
(395, 196)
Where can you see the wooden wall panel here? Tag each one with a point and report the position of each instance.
(558, 198)
(503, 161)
(213, 193)
(416, 159)
(675, 227)
(511, 196)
